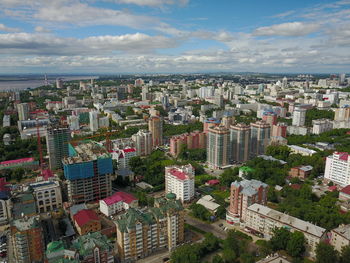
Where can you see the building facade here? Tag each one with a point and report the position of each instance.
(299, 115)
(340, 237)
(143, 232)
(279, 130)
(48, 196)
(88, 171)
(57, 139)
(143, 142)
(338, 168)
(321, 125)
(240, 142)
(242, 195)
(218, 147)
(117, 202)
(86, 221)
(193, 140)
(155, 126)
(179, 180)
(264, 220)
(23, 111)
(260, 137)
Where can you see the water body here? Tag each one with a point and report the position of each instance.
(22, 84)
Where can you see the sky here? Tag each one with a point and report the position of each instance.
(174, 36)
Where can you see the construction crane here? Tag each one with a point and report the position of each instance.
(106, 134)
(39, 146)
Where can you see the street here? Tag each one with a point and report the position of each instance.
(212, 228)
(156, 257)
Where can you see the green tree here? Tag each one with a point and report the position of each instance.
(217, 259)
(345, 254)
(221, 212)
(200, 212)
(185, 254)
(326, 253)
(296, 244)
(280, 239)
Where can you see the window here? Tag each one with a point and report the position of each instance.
(97, 255)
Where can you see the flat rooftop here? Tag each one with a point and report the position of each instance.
(85, 152)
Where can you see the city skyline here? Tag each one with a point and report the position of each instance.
(162, 36)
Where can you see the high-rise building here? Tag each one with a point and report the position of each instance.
(23, 111)
(88, 171)
(299, 115)
(143, 232)
(244, 194)
(218, 148)
(342, 78)
(260, 137)
(103, 122)
(93, 117)
(155, 126)
(27, 240)
(284, 83)
(342, 114)
(227, 121)
(240, 142)
(57, 139)
(139, 82)
(179, 180)
(59, 83)
(143, 142)
(210, 123)
(270, 117)
(338, 168)
(279, 130)
(321, 125)
(193, 140)
(47, 195)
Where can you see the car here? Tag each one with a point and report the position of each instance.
(220, 225)
(166, 259)
(3, 254)
(3, 245)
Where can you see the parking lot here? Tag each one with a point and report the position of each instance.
(4, 245)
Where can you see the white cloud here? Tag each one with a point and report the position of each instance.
(8, 29)
(287, 29)
(154, 3)
(41, 29)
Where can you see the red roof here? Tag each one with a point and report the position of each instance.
(128, 150)
(3, 184)
(346, 190)
(180, 175)
(343, 155)
(85, 216)
(333, 188)
(295, 186)
(213, 182)
(47, 173)
(23, 160)
(119, 197)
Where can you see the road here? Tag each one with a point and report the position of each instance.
(155, 258)
(212, 228)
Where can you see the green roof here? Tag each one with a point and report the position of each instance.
(55, 246)
(86, 243)
(246, 169)
(170, 196)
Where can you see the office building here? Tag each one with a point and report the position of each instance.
(218, 147)
(93, 118)
(155, 126)
(47, 195)
(260, 133)
(88, 171)
(90, 248)
(179, 180)
(193, 140)
(340, 237)
(338, 168)
(119, 201)
(299, 115)
(242, 195)
(143, 232)
(143, 142)
(240, 142)
(27, 240)
(264, 220)
(23, 111)
(57, 138)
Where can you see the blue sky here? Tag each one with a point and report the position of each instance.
(174, 36)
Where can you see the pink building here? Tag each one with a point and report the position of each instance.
(244, 194)
(279, 130)
(117, 202)
(270, 117)
(210, 123)
(193, 140)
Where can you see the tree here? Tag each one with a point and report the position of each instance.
(326, 253)
(217, 259)
(229, 176)
(280, 239)
(129, 111)
(200, 212)
(229, 255)
(272, 195)
(296, 244)
(185, 254)
(345, 254)
(221, 212)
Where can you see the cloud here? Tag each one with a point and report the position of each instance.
(154, 3)
(41, 29)
(8, 29)
(287, 29)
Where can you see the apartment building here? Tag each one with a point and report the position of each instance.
(338, 168)
(57, 138)
(47, 195)
(264, 220)
(179, 180)
(123, 157)
(260, 132)
(88, 171)
(117, 202)
(86, 221)
(155, 125)
(27, 240)
(340, 237)
(193, 140)
(243, 194)
(143, 232)
(218, 147)
(321, 125)
(143, 142)
(240, 142)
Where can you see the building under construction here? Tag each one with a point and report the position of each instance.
(88, 172)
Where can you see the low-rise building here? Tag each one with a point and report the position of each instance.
(340, 237)
(274, 259)
(47, 195)
(208, 202)
(142, 232)
(264, 220)
(321, 125)
(301, 150)
(344, 194)
(301, 171)
(117, 202)
(86, 221)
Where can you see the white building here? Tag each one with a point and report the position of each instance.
(93, 117)
(338, 168)
(73, 122)
(206, 92)
(143, 142)
(264, 220)
(301, 150)
(103, 122)
(123, 157)
(321, 125)
(117, 202)
(23, 111)
(299, 116)
(180, 181)
(47, 195)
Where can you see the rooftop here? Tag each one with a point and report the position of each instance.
(26, 223)
(118, 197)
(288, 220)
(23, 160)
(249, 187)
(343, 230)
(346, 190)
(85, 216)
